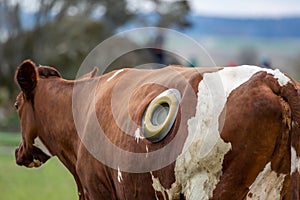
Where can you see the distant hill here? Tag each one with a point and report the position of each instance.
(218, 26)
(253, 27)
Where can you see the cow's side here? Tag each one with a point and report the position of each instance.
(250, 150)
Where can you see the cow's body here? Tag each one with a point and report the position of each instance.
(235, 136)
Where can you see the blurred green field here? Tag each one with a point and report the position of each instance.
(49, 182)
(9, 139)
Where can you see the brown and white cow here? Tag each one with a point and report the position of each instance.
(235, 136)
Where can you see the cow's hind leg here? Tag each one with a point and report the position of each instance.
(253, 126)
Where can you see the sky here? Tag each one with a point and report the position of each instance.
(247, 8)
(227, 8)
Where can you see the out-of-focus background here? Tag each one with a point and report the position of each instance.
(61, 33)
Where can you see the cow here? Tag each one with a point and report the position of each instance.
(170, 133)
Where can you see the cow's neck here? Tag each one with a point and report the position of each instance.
(53, 109)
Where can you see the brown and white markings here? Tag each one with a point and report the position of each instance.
(236, 133)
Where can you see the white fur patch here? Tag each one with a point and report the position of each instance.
(157, 186)
(232, 77)
(295, 161)
(199, 167)
(267, 185)
(120, 178)
(147, 150)
(281, 78)
(138, 135)
(294, 124)
(38, 143)
(171, 193)
(115, 74)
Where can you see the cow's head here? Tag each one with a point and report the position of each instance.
(27, 77)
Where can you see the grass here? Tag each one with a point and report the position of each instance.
(9, 139)
(49, 182)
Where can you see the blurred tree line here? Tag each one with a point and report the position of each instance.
(63, 32)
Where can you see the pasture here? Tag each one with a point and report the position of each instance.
(50, 181)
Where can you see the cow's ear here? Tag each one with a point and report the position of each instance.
(26, 77)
